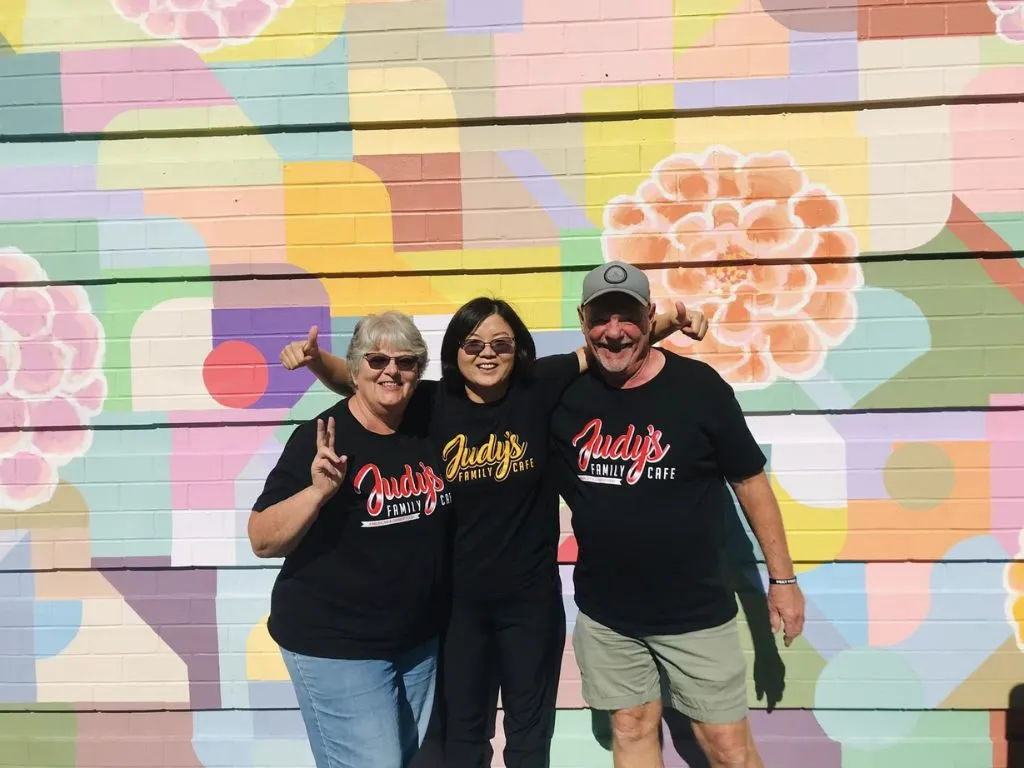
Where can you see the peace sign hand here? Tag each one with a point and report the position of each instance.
(328, 469)
(298, 354)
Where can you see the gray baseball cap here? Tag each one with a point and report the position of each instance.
(616, 277)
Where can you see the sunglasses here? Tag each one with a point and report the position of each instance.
(378, 361)
(498, 346)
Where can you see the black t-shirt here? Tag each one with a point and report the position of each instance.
(495, 457)
(643, 471)
(366, 579)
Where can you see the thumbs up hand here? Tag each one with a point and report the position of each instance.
(298, 354)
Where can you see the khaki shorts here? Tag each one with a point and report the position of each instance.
(705, 671)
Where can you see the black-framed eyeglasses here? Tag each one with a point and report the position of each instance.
(498, 346)
(378, 361)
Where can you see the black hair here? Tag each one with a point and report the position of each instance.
(466, 320)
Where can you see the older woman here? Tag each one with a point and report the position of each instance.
(357, 505)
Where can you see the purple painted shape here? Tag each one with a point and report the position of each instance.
(546, 189)
(278, 726)
(823, 53)
(268, 330)
(17, 625)
(181, 606)
(32, 193)
(801, 89)
(784, 738)
(480, 16)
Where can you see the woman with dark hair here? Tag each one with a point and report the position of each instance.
(489, 417)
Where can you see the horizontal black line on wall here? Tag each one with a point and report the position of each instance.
(6, 709)
(569, 118)
(879, 258)
(142, 568)
(262, 423)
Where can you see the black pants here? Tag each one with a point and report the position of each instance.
(515, 643)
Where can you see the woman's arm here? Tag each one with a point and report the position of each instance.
(276, 530)
(330, 369)
(692, 322)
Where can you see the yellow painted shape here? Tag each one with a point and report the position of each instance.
(300, 31)
(385, 94)
(828, 146)
(628, 98)
(693, 19)
(620, 155)
(813, 533)
(12, 22)
(164, 163)
(68, 25)
(263, 660)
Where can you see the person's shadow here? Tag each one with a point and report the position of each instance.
(769, 671)
(1015, 727)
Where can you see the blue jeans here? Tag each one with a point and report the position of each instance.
(365, 713)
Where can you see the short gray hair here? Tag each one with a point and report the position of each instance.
(392, 329)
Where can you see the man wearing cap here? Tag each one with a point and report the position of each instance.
(644, 445)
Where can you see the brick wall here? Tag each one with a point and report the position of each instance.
(182, 194)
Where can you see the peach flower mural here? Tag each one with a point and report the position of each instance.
(1014, 583)
(51, 356)
(202, 25)
(726, 209)
(1009, 19)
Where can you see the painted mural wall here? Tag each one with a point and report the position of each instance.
(185, 185)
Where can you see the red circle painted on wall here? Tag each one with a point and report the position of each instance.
(236, 374)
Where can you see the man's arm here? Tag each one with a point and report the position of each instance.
(785, 601)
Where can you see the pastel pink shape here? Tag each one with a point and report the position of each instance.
(59, 443)
(205, 461)
(43, 363)
(26, 311)
(80, 332)
(13, 413)
(25, 478)
(567, 46)
(90, 398)
(16, 267)
(987, 162)
(1005, 431)
(899, 597)
(99, 85)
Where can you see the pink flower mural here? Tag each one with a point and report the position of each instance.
(202, 25)
(51, 356)
(1014, 582)
(1009, 19)
(725, 210)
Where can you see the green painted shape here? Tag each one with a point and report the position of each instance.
(38, 739)
(940, 739)
(574, 743)
(1009, 226)
(123, 304)
(577, 247)
(977, 336)
(68, 249)
(995, 51)
(5, 47)
(31, 100)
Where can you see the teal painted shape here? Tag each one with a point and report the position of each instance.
(312, 91)
(243, 599)
(1009, 226)
(57, 623)
(224, 738)
(891, 333)
(855, 685)
(31, 99)
(66, 249)
(125, 479)
(150, 243)
(63, 153)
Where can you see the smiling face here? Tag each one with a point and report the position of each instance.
(488, 354)
(386, 378)
(617, 328)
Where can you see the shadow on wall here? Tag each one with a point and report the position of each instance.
(1015, 728)
(769, 670)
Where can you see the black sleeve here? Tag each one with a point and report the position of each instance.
(421, 408)
(739, 455)
(291, 474)
(552, 375)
